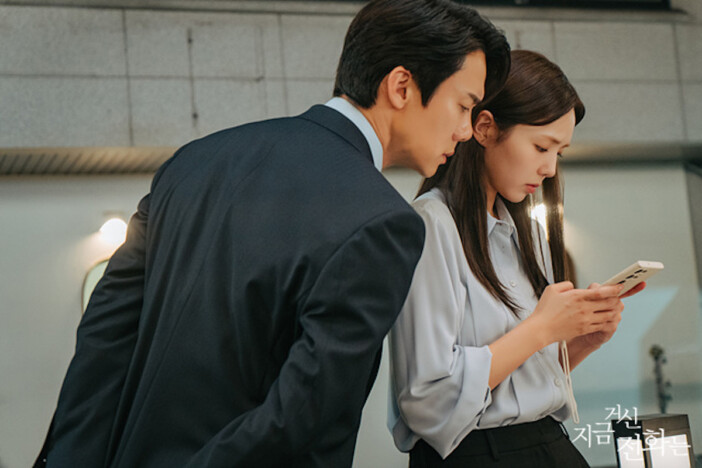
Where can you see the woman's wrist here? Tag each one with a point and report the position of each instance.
(539, 332)
(579, 348)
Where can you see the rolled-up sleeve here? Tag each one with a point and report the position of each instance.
(439, 387)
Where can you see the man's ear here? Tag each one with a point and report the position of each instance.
(485, 128)
(400, 87)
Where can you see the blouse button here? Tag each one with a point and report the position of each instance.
(513, 284)
(542, 351)
(557, 382)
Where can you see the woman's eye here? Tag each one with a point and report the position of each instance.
(560, 155)
(540, 149)
(465, 109)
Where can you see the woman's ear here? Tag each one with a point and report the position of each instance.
(485, 128)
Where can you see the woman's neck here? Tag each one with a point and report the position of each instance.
(490, 198)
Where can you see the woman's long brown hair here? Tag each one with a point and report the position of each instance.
(536, 93)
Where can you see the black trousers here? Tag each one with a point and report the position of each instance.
(540, 444)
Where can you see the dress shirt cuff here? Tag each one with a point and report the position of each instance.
(444, 418)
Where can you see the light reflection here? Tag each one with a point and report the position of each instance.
(538, 213)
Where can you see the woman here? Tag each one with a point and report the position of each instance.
(476, 375)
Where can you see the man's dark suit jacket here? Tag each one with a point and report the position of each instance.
(240, 325)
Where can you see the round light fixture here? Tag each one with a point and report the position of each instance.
(114, 231)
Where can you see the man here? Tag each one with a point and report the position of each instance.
(241, 322)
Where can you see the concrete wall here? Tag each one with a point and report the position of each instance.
(132, 77)
(122, 77)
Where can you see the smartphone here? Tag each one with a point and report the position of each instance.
(634, 274)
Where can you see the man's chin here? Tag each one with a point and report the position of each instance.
(430, 171)
(427, 172)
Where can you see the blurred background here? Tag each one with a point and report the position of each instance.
(96, 94)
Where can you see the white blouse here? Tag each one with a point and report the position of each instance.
(440, 360)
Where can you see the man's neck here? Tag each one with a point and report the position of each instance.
(379, 121)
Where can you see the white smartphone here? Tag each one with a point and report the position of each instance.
(634, 274)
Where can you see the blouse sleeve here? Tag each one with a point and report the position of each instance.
(440, 387)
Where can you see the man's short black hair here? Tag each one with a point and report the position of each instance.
(430, 38)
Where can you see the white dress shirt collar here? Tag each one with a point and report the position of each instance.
(505, 218)
(350, 111)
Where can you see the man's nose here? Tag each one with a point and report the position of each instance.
(464, 132)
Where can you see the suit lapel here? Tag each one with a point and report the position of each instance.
(334, 121)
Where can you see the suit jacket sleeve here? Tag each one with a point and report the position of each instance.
(106, 337)
(326, 376)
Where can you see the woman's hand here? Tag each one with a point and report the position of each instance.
(636, 289)
(564, 313)
(596, 339)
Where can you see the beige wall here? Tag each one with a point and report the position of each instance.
(48, 234)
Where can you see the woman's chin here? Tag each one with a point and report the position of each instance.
(515, 198)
